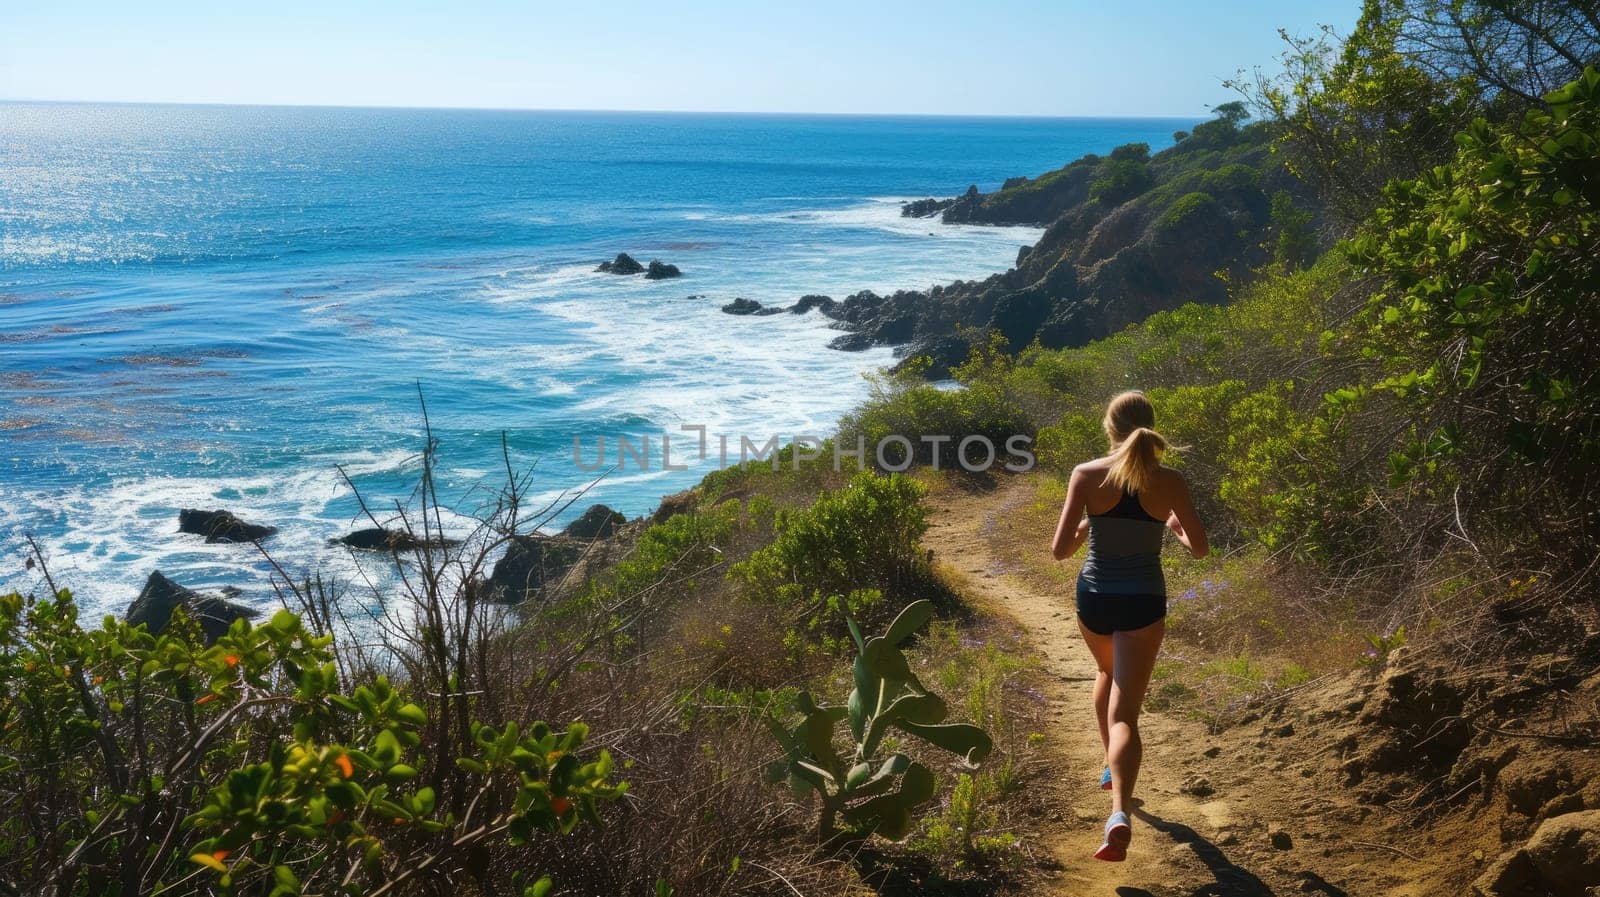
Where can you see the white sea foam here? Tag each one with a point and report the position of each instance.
(596, 347)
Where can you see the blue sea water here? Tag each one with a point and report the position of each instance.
(217, 306)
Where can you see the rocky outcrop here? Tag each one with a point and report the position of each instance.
(221, 526)
(377, 539)
(743, 306)
(824, 304)
(599, 522)
(622, 264)
(924, 208)
(161, 596)
(889, 327)
(531, 565)
(1126, 235)
(658, 270)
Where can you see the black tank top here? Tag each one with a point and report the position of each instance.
(1125, 551)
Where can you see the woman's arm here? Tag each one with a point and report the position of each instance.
(1185, 523)
(1073, 528)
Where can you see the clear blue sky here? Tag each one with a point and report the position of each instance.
(1028, 57)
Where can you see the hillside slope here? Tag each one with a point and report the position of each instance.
(1434, 775)
(1127, 235)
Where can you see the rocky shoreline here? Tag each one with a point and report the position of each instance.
(531, 564)
(1126, 235)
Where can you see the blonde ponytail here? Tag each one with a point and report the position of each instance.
(1135, 461)
(1136, 447)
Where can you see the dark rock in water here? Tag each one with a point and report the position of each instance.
(599, 522)
(924, 208)
(161, 596)
(886, 331)
(622, 264)
(375, 539)
(896, 330)
(221, 526)
(807, 303)
(660, 271)
(530, 564)
(852, 342)
(743, 306)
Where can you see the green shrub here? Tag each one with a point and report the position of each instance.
(1076, 439)
(1131, 152)
(1120, 180)
(1281, 476)
(1188, 208)
(983, 407)
(1295, 245)
(842, 554)
(671, 555)
(146, 760)
(1234, 178)
(1484, 324)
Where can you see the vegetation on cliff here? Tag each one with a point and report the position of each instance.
(1127, 235)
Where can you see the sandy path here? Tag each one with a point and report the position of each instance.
(1182, 844)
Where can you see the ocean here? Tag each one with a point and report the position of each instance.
(206, 306)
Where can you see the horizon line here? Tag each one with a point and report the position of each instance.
(745, 112)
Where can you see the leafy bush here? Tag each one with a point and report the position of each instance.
(1131, 152)
(935, 420)
(1189, 208)
(843, 553)
(1484, 325)
(1281, 478)
(1234, 178)
(135, 761)
(1120, 180)
(669, 555)
(1295, 245)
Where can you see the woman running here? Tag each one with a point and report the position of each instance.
(1122, 504)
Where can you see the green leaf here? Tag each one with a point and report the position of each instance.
(912, 618)
(967, 741)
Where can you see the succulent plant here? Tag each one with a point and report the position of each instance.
(873, 794)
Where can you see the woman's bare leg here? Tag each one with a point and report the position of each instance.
(1133, 660)
(1100, 646)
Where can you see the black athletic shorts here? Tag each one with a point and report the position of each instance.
(1104, 614)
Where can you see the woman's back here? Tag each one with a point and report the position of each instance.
(1125, 550)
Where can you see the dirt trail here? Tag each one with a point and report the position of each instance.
(1219, 844)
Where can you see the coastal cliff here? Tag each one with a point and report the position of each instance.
(1127, 235)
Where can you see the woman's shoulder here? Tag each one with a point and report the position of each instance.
(1171, 477)
(1097, 466)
